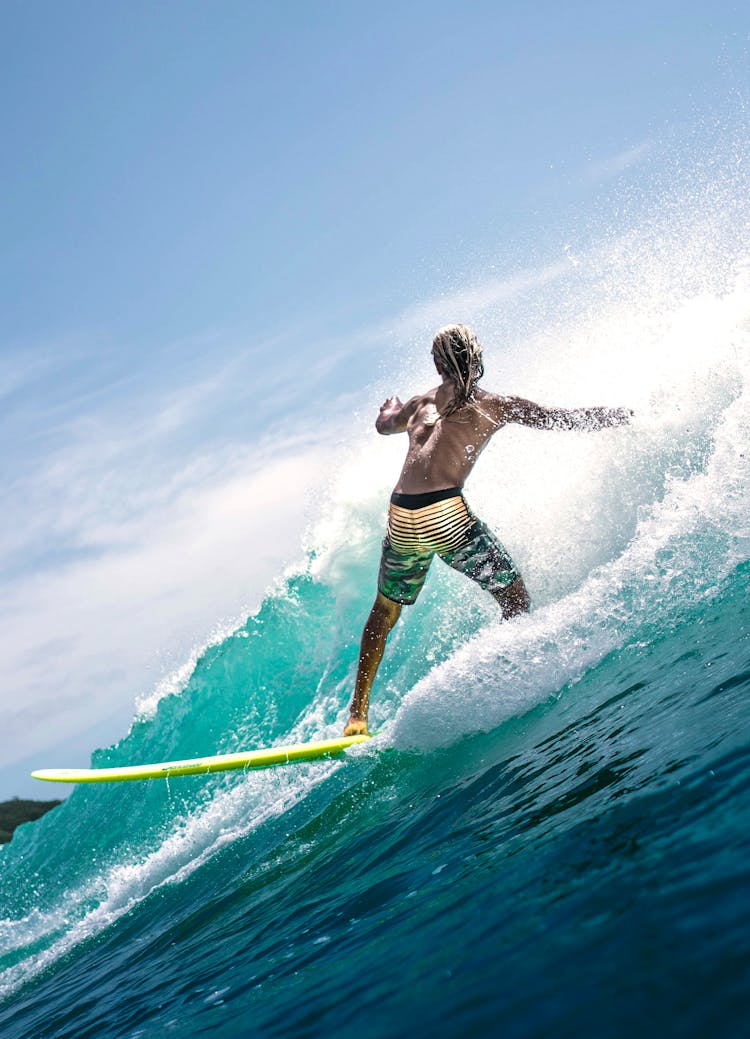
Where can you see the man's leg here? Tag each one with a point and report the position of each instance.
(514, 599)
(383, 616)
(484, 559)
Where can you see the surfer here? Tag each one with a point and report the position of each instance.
(448, 428)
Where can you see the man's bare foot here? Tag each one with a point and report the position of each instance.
(356, 727)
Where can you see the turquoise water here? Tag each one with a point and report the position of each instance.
(548, 836)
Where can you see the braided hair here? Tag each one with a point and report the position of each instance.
(458, 355)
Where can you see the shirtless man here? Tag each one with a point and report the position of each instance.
(448, 428)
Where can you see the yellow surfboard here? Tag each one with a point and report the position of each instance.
(197, 766)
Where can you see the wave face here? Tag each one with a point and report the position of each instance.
(551, 827)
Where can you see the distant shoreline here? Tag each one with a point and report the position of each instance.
(20, 810)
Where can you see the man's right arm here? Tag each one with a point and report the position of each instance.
(394, 416)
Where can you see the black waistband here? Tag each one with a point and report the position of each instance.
(419, 501)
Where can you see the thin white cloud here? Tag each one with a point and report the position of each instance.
(176, 569)
(127, 456)
(473, 299)
(602, 169)
(153, 514)
(19, 372)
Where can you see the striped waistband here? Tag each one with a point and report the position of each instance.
(426, 523)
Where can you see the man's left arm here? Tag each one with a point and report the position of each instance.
(538, 416)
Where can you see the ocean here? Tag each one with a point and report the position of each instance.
(550, 832)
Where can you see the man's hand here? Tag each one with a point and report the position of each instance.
(619, 416)
(393, 415)
(390, 406)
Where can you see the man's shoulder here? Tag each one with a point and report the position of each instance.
(422, 399)
(490, 395)
(493, 405)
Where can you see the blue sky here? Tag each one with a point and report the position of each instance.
(214, 216)
(172, 167)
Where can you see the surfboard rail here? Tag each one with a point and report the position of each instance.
(252, 759)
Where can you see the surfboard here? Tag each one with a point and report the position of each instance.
(197, 766)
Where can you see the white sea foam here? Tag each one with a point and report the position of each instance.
(690, 530)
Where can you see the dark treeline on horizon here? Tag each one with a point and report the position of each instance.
(17, 811)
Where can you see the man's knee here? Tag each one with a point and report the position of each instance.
(387, 609)
(514, 599)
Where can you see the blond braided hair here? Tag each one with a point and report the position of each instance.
(458, 355)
